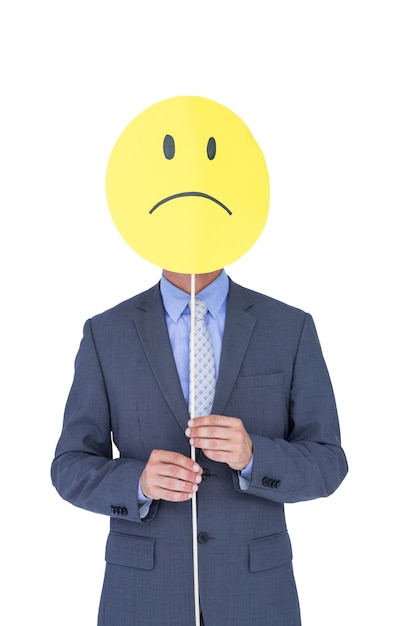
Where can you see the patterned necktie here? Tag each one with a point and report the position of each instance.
(204, 369)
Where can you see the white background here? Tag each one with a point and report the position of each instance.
(329, 92)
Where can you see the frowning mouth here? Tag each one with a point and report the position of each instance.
(190, 193)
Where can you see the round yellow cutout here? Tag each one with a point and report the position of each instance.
(187, 185)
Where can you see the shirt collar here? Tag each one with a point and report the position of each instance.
(175, 300)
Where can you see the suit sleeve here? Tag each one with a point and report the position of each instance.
(83, 470)
(310, 463)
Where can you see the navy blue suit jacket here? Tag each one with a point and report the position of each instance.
(272, 376)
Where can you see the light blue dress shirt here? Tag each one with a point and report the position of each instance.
(178, 319)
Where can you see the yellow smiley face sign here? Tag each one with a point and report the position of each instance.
(187, 185)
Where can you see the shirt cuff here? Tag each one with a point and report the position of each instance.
(144, 508)
(144, 503)
(245, 475)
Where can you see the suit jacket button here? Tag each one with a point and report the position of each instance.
(205, 474)
(270, 482)
(202, 537)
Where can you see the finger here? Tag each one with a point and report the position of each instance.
(162, 484)
(171, 495)
(215, 437)
(219, 456)
(178, 473)
(211, 443)
(216, 427)
(174, 459)
(214, 420)
(174, 484)
(209, 432)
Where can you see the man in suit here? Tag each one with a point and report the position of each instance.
(272, 438)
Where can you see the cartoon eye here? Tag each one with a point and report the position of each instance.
(211, 148)
(169, 147)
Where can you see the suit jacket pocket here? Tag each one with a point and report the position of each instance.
(261, 401)
(130, 551)
(269, 552)
(262, 380)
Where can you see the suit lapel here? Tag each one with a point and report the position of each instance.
(237, 333)
(153, 333)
